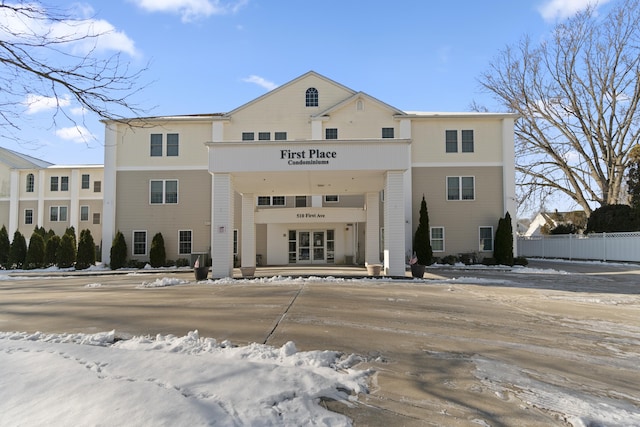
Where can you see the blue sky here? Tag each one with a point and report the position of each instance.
(207, 56)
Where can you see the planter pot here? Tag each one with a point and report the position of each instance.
(374, 269)
(248, 271)
(201, 272)
(417, 271)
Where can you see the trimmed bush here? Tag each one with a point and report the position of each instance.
(72, 232)
(421, 241)
(118, 252)
(157, 254)
(503, 244)
(66, 254)
(5, 245)
(612, 219)
(17, 251)
(50, 250)
(35, 253)
(86, 251)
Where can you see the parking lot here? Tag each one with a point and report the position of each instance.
(546, 345)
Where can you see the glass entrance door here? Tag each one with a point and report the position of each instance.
(318, 247)
(311, 247)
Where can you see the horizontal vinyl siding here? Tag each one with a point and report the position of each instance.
(461, 218)
(192, 212)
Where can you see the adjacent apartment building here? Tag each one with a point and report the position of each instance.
(312, 172)
(34, 192)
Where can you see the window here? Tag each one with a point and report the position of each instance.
(451, 138)
(301, 201)
(139, 243)
(172, 144)
(58, 214)
(331, 198)
(96, 218)
(278, 201)
(247, 136)
(486, 238)
(31, 181)
(331, 133)
(97, 186)
(311, 97)
(54, 183)
(264, 201)
(280, 136)
(460, 188)
(64, 183)
(467, 141)
(86, 180)
(28, 216)
(437, 239)
(184, 241)
(271, 201)
(235, 241)
(264, 136)
(387, 132)
(84, 213)
(163, 191)
(156, 145)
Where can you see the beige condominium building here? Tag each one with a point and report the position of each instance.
(36, 193)
(312, 172)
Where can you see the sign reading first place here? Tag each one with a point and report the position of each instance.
(311, 156)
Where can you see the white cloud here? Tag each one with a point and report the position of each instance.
(81, 33)
(79, 134)
(37, 103)
(191, 10)
(260, 82)
(561, 9)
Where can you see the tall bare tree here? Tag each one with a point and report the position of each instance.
(577, 93)
(49, 56)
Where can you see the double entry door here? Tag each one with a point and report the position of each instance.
(311, 247)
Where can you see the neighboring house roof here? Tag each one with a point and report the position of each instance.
(15, 160)
(553, 219)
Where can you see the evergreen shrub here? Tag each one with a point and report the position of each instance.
(35, 253)
(157, 254)
(86, 251)
(17, 251)
(503, 244)
(5, 245)
(50, 250)
(118, 252)
(66, 254)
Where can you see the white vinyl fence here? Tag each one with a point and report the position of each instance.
(598, 246)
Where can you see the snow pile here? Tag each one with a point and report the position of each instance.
(57, 379)
(162, 282)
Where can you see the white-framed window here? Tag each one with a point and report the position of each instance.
(31, 183)
(331, 198)
(84, 213)
(311, 97)
(387, 132)
(331, 133)
(437, 239)
(486, 239)
(173, 144)
(467, 141)
(64, 183)
(96, 217)
(264, 136)
(280, 136)
(139, 238)
(156, 145)
(451, 141)
(461, 188)
(28, 216)
(271, 201)
(248, 136)
(185, 241)
(163, 191)
(301, 201)
(58, 213)
(86, 181)
(54, 183)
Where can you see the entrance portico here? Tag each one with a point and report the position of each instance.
(314, 169)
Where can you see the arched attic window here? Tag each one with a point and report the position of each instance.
(30, 183)
(311, 97)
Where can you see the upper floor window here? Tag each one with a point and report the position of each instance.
(31, 181)
(271, 201)
(97, 186)
(311, 97)
(172, 144)
(280, 136)
(387, 132)
(451, 141)
(467, 141)
(333, 198)
(54, 183)
(331, 133)
(264, 136)
(163, 191)
(247, 136)
(460, 188)
(86, 181)
(156, 145)
(301, 201)
(64, 183)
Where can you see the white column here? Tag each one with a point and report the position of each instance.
(74, 200)
(221, 225)
(248, 257)
(14, 203)
(372, 230)
(394, 224)
(109, 191)
(41, 188)
(509, 177)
